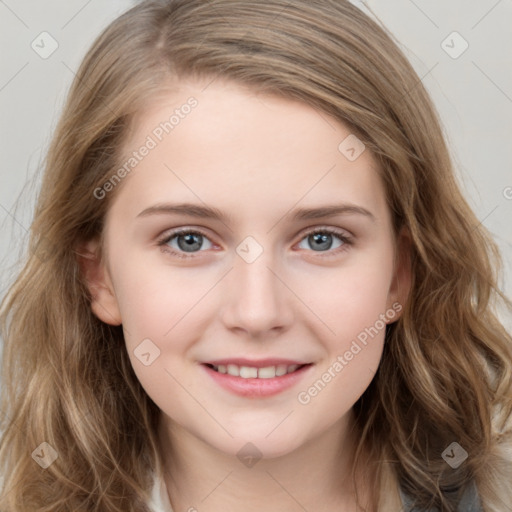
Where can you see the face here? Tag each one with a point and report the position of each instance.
(272, 280)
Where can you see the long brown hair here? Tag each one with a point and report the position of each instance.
(67, 380)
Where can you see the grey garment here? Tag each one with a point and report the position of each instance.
(469, 502)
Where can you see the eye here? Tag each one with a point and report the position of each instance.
(184, 243)
(321, 240)
(187, 241)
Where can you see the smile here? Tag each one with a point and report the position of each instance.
(256, 382)
(251, 372)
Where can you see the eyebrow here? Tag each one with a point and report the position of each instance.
(199, 211)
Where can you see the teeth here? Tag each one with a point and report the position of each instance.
(281, 370)
(250, 372)
(233, 370)
(267, 373)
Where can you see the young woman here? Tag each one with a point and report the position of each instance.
(253, 281)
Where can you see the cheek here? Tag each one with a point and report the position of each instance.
(353, 304)
(159, 310)
(155, 300)
(350, 298)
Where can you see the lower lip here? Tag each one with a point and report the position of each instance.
(255, 388)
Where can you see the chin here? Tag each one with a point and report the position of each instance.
(258, 443)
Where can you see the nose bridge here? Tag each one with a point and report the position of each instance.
(257, 299)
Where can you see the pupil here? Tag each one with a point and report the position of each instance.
(191, 239)
(324, 239)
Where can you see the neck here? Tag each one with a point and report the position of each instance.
(198, 476)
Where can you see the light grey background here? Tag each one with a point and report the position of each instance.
(472, 92)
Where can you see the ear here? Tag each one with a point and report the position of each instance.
(402, 274)
(95, 273)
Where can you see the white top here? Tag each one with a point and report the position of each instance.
(159, 496)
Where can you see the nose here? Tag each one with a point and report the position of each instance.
(258, 301)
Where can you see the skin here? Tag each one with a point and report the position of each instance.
(256, 158)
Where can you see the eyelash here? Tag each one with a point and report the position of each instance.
(347, 241)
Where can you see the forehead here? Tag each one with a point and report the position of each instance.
(231, 147)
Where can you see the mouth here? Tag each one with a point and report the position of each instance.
(256, 382)
(253, 372)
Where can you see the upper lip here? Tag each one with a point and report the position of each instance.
(260, 363)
